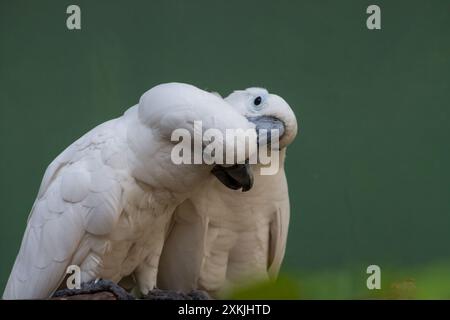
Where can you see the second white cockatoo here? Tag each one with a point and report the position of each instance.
(221, 237)
(105, 202)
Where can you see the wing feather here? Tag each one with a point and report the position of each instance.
(79, 196)
(184, 250)
(278, 234)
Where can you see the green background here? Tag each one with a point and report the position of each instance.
(369, 173)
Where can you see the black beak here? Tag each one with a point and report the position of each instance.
(235, 177)
(264, 125)
(240, 175)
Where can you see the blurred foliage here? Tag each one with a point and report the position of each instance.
(431, 281)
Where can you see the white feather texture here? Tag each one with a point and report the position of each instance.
(222, 237)
(105, 202)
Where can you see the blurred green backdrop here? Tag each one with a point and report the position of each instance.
(369, 174)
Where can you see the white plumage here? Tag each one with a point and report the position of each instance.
(105, 202)
(222, 237)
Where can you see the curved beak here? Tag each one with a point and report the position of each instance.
(235, 177)
(265, 125)
(240, 175)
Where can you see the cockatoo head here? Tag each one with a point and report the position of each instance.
(174, 106)
(267, 111)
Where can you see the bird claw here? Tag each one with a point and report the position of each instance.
(158, 294)
(96, 286)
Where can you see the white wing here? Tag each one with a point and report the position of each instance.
(79, 195)
(184, 250)
(278, 235)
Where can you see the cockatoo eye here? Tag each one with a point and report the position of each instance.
(257, 101)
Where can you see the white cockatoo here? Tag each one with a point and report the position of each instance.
(221, 237)
(105, 202)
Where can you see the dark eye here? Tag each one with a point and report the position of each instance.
(257, 101)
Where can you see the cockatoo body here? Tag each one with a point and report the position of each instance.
(222, 237)
(106, 201)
